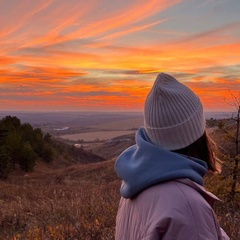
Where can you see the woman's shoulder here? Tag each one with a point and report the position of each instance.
(174, 195)
(170, 206)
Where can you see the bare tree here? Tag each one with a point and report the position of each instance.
(235, 102)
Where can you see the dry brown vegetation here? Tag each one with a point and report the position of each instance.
(80, 201)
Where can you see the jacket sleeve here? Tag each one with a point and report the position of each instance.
(174, 229)
(188, 216)
(224, 235)
(192, 221)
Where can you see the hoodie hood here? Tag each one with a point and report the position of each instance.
(145, 164)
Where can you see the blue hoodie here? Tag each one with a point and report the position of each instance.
(145, 164)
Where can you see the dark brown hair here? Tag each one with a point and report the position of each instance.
(203, 149)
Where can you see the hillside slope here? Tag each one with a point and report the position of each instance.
(76, 202)
(112, 149)
(80, 201)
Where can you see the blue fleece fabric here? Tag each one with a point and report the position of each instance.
(145, 164)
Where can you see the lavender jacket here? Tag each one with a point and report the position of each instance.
(163, 196)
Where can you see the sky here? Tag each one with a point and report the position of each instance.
(104, 55)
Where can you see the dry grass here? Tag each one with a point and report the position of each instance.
(78, 202)
(228, 212)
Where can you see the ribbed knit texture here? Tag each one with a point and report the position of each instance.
(173, 114)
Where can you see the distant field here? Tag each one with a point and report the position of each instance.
(123, 124)
(92, 136)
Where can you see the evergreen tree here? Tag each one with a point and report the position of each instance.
(11, 123)
(14, 143)
(47, 153)
(21, 144)
(5, 162)
(27, 158)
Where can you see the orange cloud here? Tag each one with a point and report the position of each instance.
(75, 26)
(92, 56)
(4, 61)
(19, 16)
(131, 30)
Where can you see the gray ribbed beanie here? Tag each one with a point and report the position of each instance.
(173, 114)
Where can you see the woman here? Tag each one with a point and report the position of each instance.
(162, 189)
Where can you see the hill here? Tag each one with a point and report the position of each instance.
(112, 148)
(76, 153)
(76, 196)
(77, 202)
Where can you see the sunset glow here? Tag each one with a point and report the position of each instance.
(103, 55)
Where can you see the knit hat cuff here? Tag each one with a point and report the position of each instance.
(180, 135)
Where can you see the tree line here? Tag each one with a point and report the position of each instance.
(21, 145)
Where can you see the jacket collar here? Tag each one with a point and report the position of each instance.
(208, 196)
